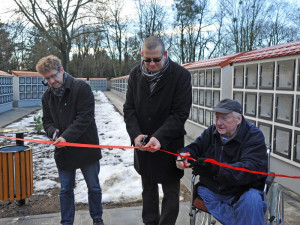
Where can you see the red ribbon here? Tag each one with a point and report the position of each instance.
(249, 171)
(182, 156)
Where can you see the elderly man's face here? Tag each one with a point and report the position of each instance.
(154, 55)
(226, 124)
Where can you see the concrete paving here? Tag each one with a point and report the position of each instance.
(128, 215)
(117, 216)
(15, 114)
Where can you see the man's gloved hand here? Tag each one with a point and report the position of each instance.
(204, 169)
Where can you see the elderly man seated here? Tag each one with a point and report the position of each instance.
(231, 196)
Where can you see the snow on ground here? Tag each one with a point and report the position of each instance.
(119, 180)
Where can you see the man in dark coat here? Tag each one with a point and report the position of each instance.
(231, 196)
(68, 116)
(157, 105)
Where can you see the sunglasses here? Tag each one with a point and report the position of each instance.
(148, 60)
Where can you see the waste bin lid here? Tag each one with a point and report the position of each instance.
(15, 130)
(14, 148)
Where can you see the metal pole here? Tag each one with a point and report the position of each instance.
(20, 143)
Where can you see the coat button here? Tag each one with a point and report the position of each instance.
(149, 118)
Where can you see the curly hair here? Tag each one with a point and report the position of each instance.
(48, 63)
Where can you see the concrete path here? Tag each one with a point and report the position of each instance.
(117, 216)
(15, 114)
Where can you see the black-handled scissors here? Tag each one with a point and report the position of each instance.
(144, 140)
(56, 136)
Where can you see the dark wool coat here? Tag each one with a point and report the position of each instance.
(160, 114)
(73, 115)
(246, 150)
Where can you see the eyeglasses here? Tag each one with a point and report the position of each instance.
(53, 76)
(155, 60)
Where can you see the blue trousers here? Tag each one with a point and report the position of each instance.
(248, 210)
(67, 202)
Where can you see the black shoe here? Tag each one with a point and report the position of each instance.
(98, 222)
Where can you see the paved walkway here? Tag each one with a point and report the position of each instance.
(128, 215)
(14, 114)
(117, 216)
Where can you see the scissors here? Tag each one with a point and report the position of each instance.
(56, 136)
(184, 160)
(143, 140)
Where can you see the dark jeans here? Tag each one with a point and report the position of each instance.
(67, 203)
(170, 203)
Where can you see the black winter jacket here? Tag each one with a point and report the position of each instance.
(73, 115)
(247, 150)
(160, 114)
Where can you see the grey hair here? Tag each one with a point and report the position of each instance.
(236, 114)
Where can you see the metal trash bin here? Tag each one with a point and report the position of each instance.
(16, 172)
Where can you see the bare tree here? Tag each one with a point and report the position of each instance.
(6, 48)
(278, 28)
(89, 55)
(20, 36)
(258, 23)
(132, 54)
(151, 18)
(116, 37)
(59, 21)
(37, 46)
(95, 62)
(192, 22)
(220, 42)
(245, 21)
(82, 48)
(103, 65)
(295, 18)
(102, 60)
(186, 12)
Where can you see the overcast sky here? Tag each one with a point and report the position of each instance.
(7, 7)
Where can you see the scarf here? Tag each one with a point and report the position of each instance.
(153, 78)
(59, 92)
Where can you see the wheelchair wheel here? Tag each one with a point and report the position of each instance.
(200, 218)
(275, 211)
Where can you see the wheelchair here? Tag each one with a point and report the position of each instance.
(273, 196)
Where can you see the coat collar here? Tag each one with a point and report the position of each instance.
(69, 81)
